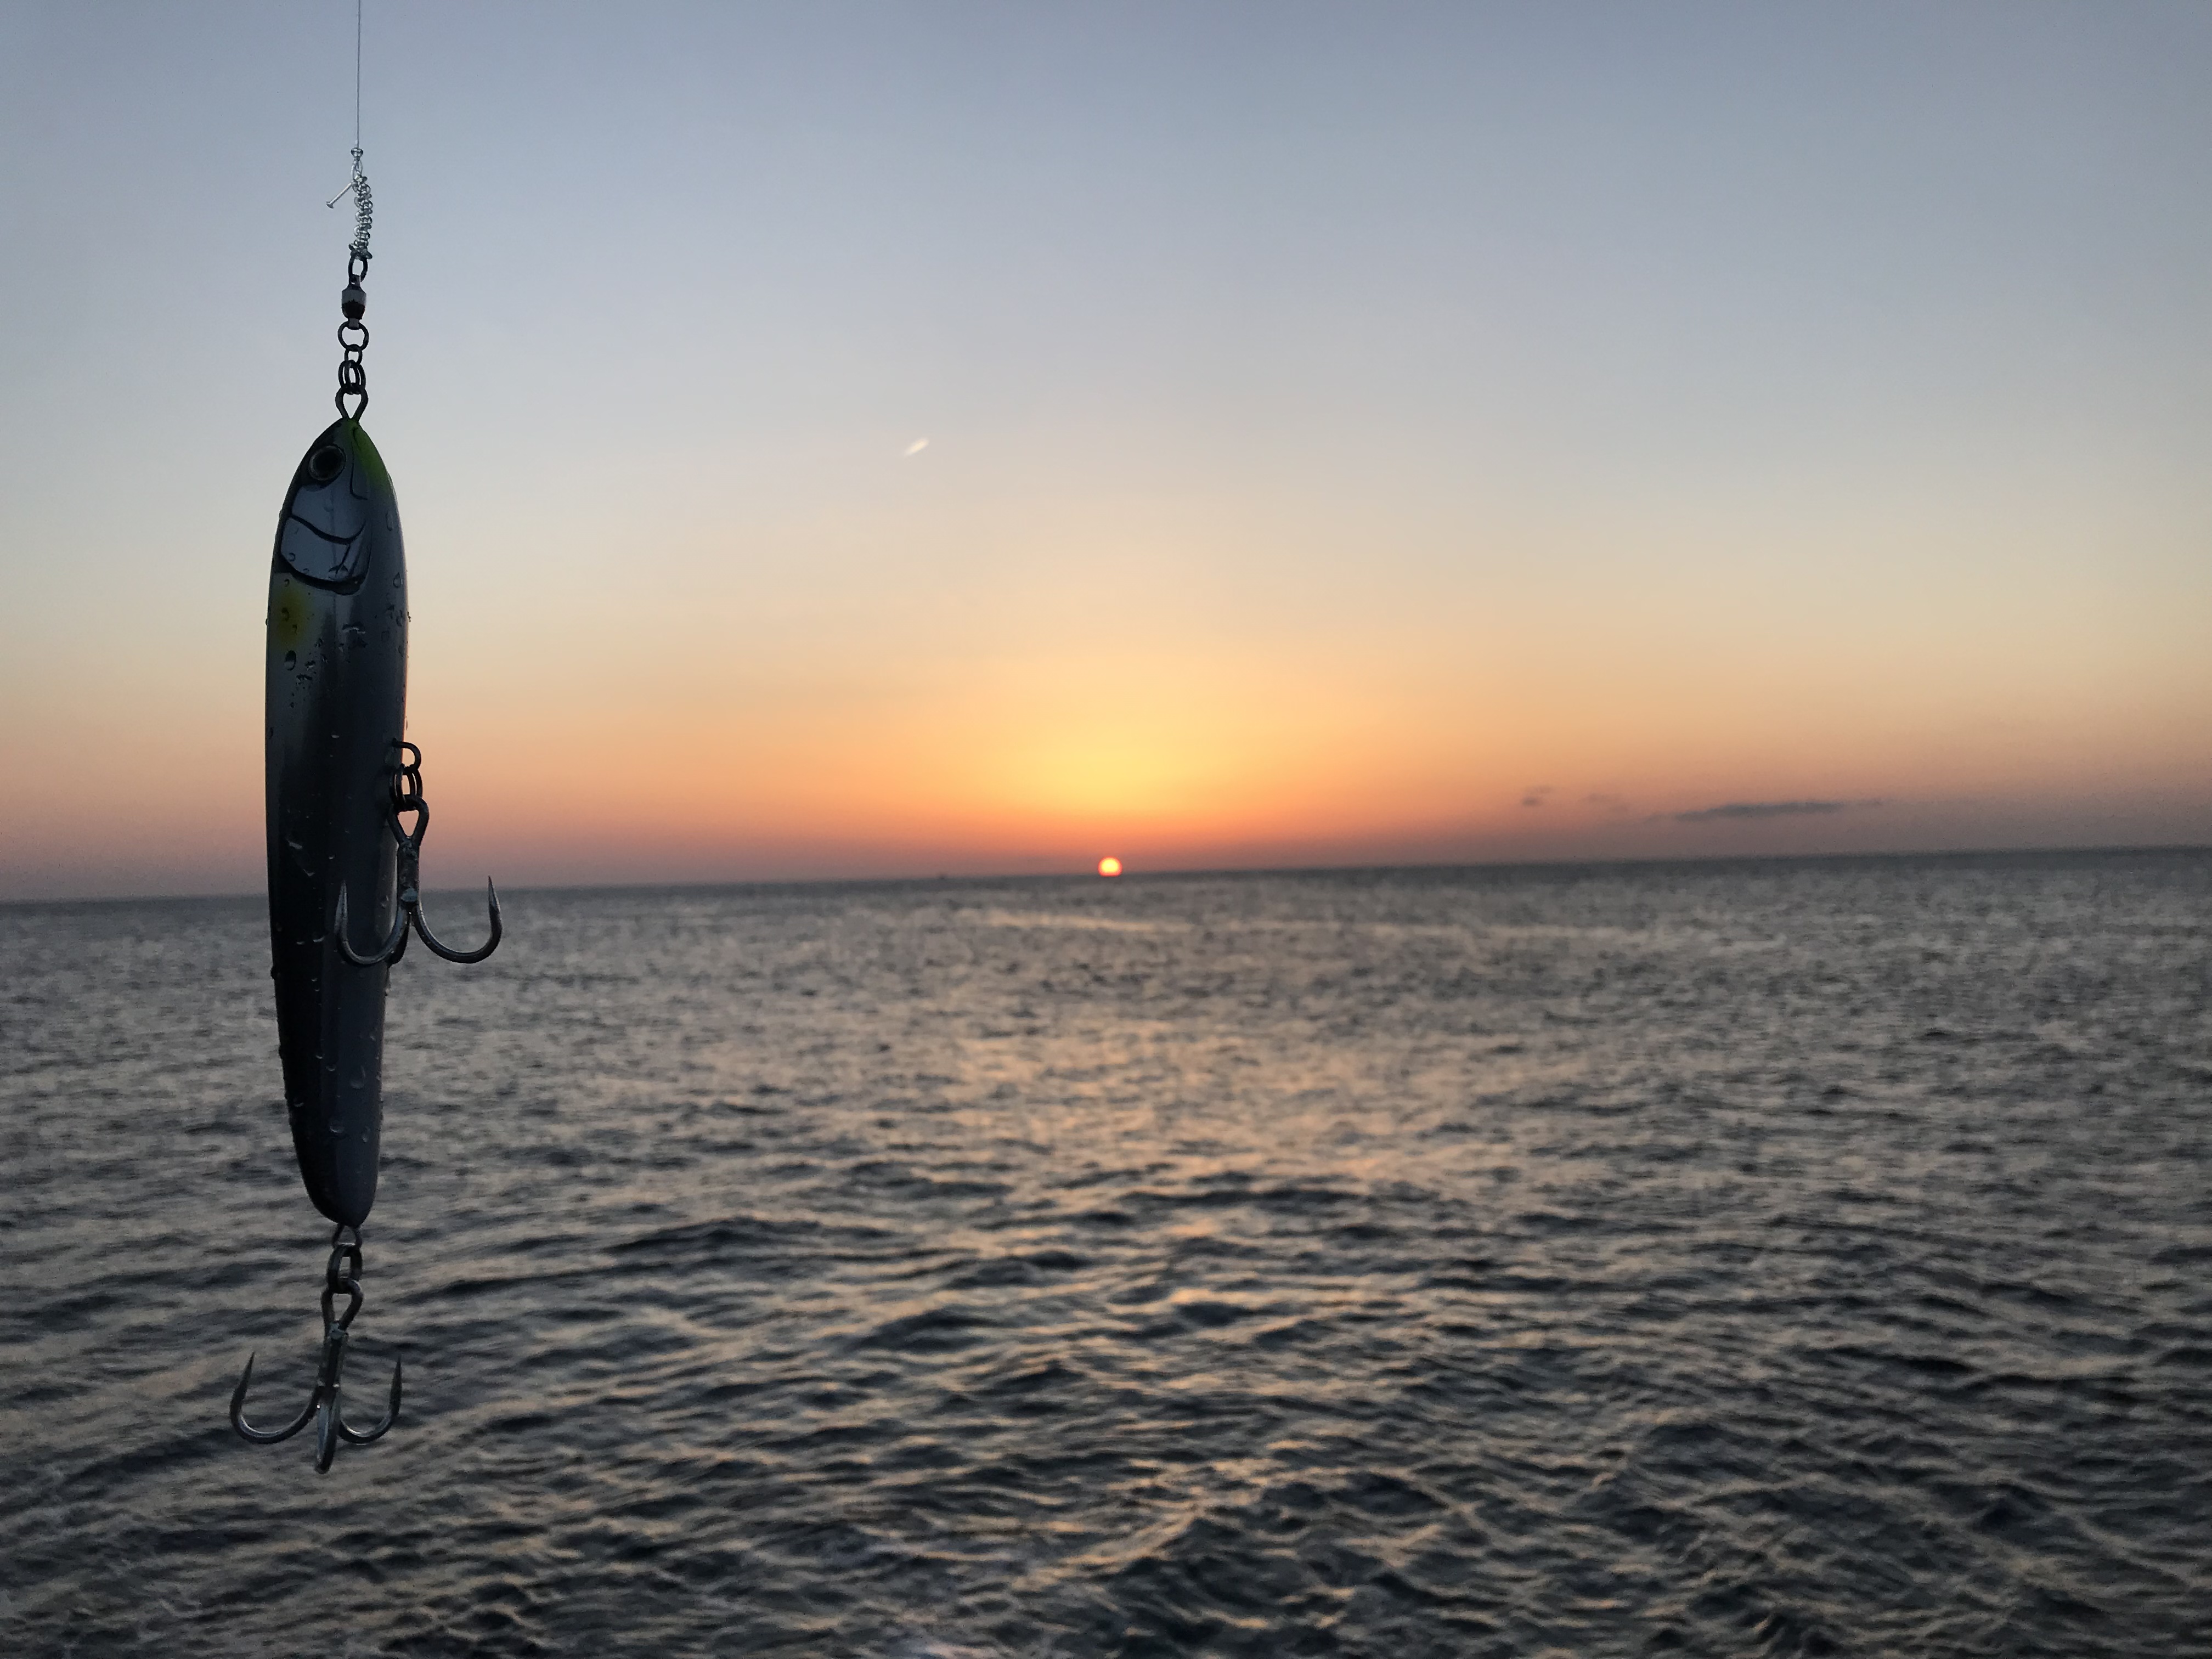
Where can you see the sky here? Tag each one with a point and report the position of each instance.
(895, 440)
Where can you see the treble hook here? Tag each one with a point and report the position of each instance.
(407, 797)
(324, 1405)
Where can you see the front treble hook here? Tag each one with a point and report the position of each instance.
(407, 797)
(323, 1405)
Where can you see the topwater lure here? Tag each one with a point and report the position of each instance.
(342, 784)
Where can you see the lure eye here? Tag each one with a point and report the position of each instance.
(325, 464)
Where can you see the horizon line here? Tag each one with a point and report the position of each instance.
(1092, 877)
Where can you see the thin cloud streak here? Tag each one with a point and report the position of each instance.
(1770, 809)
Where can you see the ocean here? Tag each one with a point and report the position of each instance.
(1768, 1258)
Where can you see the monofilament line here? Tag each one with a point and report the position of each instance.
(357, 186)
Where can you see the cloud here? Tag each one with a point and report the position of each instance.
(1770, 809)
(1534, 795)
(917, 446)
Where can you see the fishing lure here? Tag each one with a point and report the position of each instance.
(346, 819)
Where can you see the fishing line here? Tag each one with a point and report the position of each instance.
(352, 334)
(357, 186)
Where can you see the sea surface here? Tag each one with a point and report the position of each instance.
(1780, 1258)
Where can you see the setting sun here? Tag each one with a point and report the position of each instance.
(1109, 865)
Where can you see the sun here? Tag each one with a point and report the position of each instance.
(1109, 865)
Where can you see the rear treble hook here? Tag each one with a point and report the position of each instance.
(407, 797)
(343, 1275)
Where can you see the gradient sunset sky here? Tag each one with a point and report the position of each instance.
(890, 439)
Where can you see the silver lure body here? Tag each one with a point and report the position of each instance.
(336, 713)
